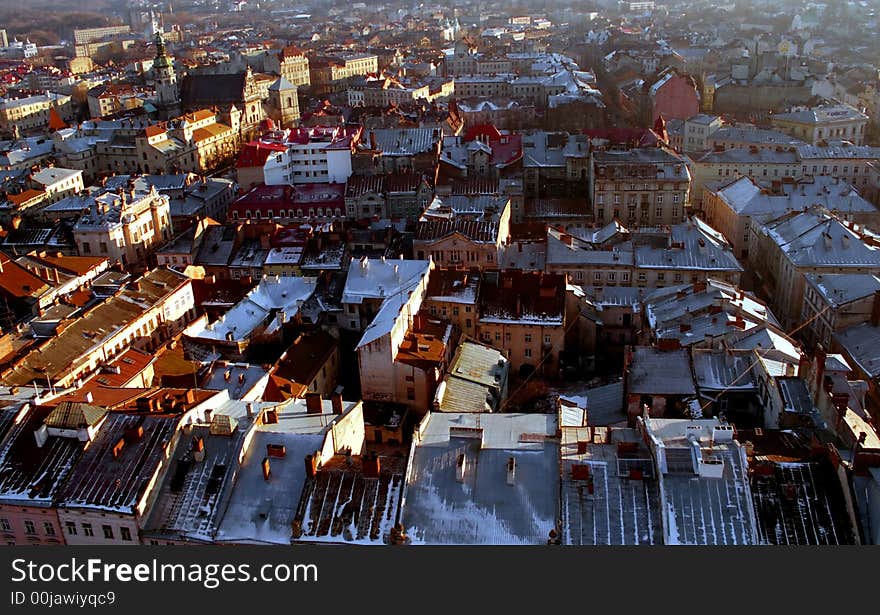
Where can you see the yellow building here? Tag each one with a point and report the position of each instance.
(31, 113)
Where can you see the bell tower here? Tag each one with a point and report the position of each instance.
(167, 95)
(283, 103)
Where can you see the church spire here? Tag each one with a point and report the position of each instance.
(161, 54)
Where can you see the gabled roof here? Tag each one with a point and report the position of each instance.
(75, 415)
(482, 231)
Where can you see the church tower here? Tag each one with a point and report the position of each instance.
(283, 103)
(167, 95)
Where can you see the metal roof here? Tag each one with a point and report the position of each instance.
(484, 508)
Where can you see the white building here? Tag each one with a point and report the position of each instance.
(58, 183)
(381, 298)
(320, 154)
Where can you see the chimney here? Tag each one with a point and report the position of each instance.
(198, 449)
(267, 470)
(511, 470)
(371, 465)
(311, 466)
(313, 403)
(803, 366)
(134, 434)
(336, 400)
(117, 448)
(276, 450)
(460, 468)
(41, 435)
(270, 417)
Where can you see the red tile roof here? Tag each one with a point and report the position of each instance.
(255, 153)
(18, 282)
(24, 197)
(78, 265)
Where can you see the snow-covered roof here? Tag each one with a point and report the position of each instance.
(387, 280)
(261, 511)
(699, 509)
(484, 508)
(284, 295)
(862, 344)
(841, 288)
(816, 238)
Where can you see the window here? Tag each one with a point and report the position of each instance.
(30, 528)
(528, 338)
(661, 276)
(86, 248)
(497, 336)
(597, 275)
(625, 276)
(642, 277)
(108, 532)
(546, 339)
(71, 528)
(48, 528)
(4, 525)
(678, 277)
(87, 529)
(528, 352)
(612, 276)
(658, 212)
(410, 393)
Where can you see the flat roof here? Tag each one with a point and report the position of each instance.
(484, 508)
(620, 509)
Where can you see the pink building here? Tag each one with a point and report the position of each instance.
(41, 448)
(674, 96)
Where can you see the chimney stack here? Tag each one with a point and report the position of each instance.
(371, 465)
(267, 470)
(311, 466)
(804, 365)
(336, 400)
(117, 448)
(313, 403)
(198, 449)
